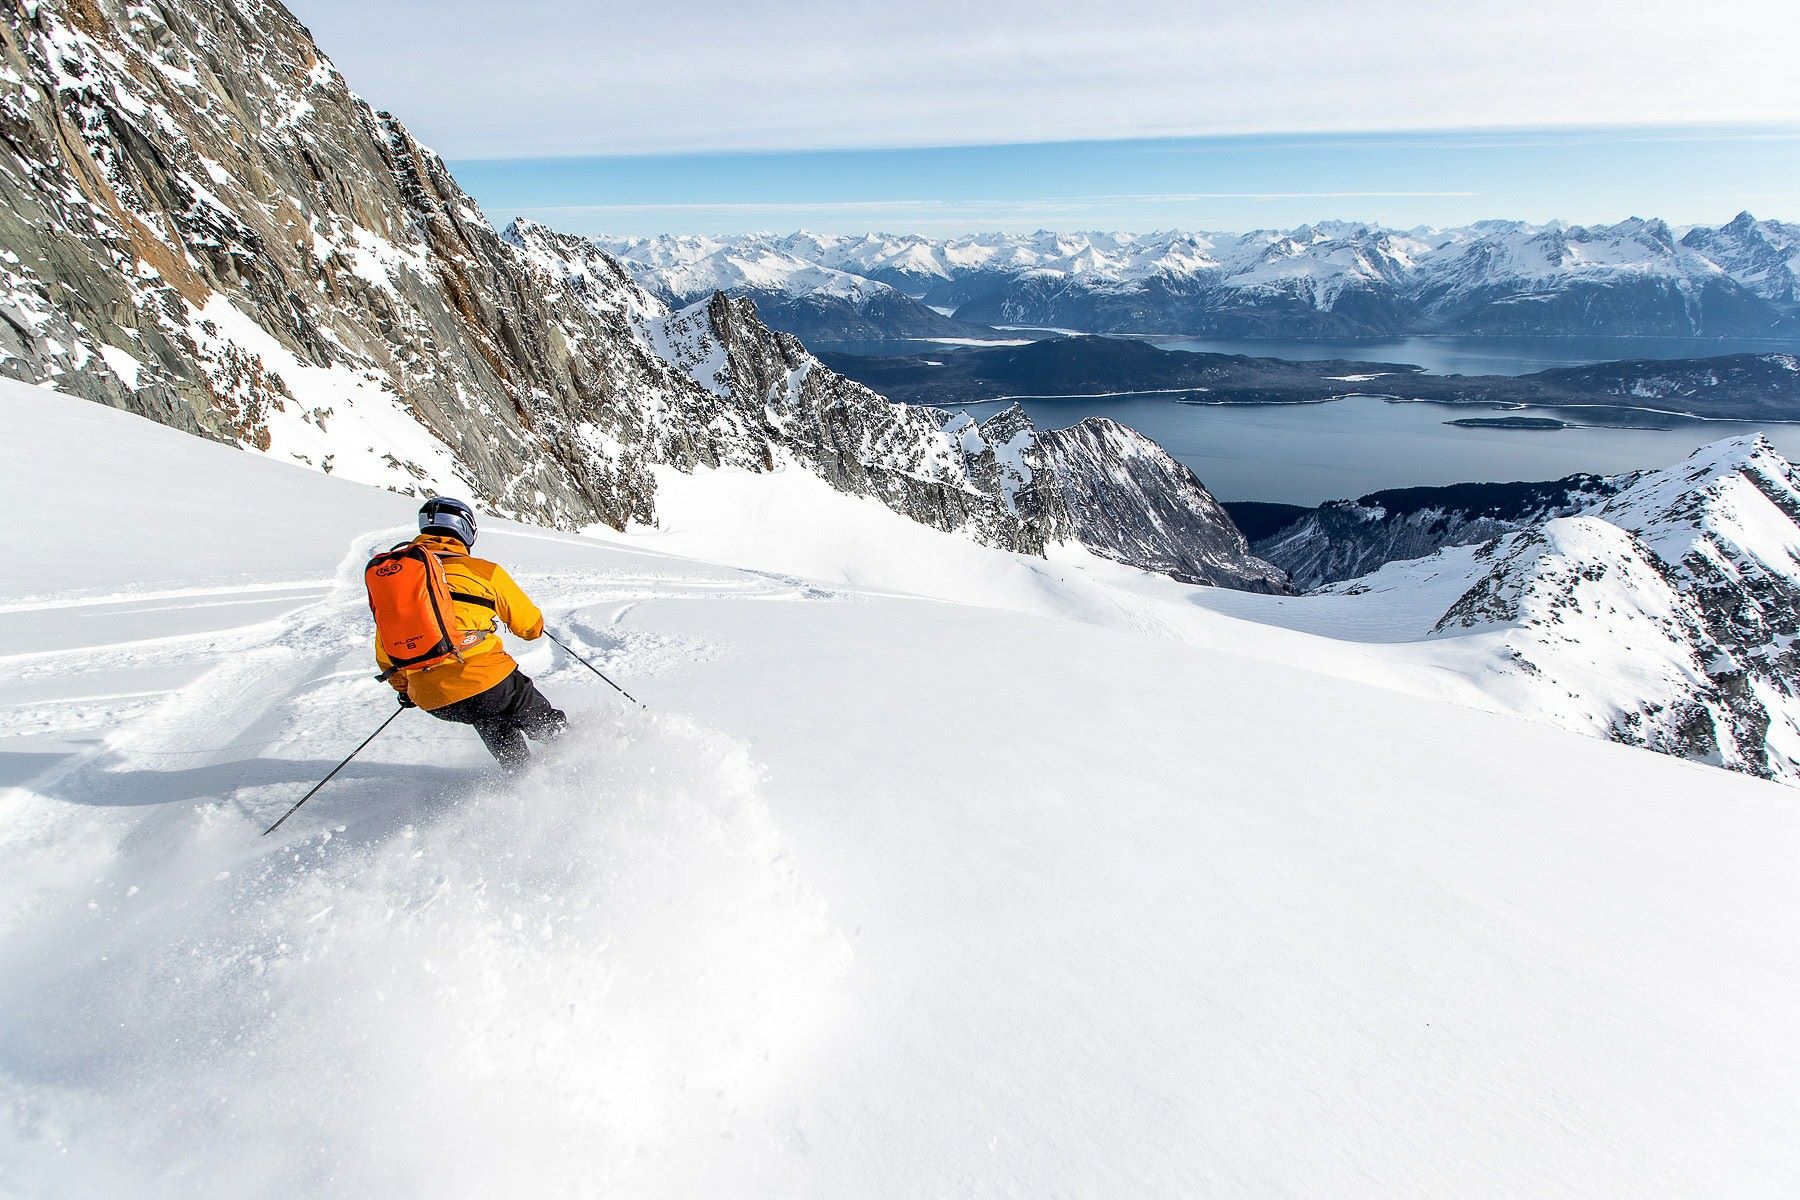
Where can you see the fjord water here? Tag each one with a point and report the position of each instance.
(1452, 354)
(1310, 453)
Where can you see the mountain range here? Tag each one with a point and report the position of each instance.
(1635, 277)
(205, 226)
(960, 844)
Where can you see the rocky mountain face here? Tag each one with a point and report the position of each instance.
(1635, 277)
(1129, 499)
(201, 223)
(1761, 255)
(1347, 538)
(204, 225)
(1340, 278)
(1665, 615)
(933, 466)
(779, 399)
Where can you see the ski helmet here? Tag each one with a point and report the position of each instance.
(441, 514)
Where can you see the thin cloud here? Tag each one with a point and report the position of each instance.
(574, 77)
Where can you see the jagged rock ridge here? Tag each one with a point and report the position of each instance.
(1178, 528)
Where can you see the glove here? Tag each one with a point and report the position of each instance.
(406, 701)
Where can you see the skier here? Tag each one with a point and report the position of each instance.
(463, 673)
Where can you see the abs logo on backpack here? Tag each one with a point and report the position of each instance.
(413, 609)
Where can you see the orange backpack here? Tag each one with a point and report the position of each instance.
(414, 609)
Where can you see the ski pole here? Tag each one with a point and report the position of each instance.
(290, 812)
(596, 670)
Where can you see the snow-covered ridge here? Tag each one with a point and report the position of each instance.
(1665, 615)
(728, 267)
(794, 293)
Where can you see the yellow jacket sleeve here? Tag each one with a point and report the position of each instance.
(514, 607)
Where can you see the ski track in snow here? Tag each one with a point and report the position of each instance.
(596, 960)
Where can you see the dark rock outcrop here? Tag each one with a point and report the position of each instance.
(1347, 538)
(1130, 500)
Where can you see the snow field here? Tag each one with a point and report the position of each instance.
(586, 969)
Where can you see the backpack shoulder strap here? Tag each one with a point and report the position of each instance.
(487, 602)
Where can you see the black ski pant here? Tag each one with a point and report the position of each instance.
(503, 716)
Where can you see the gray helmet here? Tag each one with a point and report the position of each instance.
(441, 514)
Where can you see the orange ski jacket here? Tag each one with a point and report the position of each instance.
(484, 596)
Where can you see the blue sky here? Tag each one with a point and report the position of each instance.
(1691, 174)
(946, 115)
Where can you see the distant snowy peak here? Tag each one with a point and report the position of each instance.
(809, 298)
(1762, 255)
(753, 270)
(685, 269)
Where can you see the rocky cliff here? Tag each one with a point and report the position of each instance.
(203, 224)
(1129, 499)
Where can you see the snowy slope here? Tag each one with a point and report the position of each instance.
(1020, 890)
